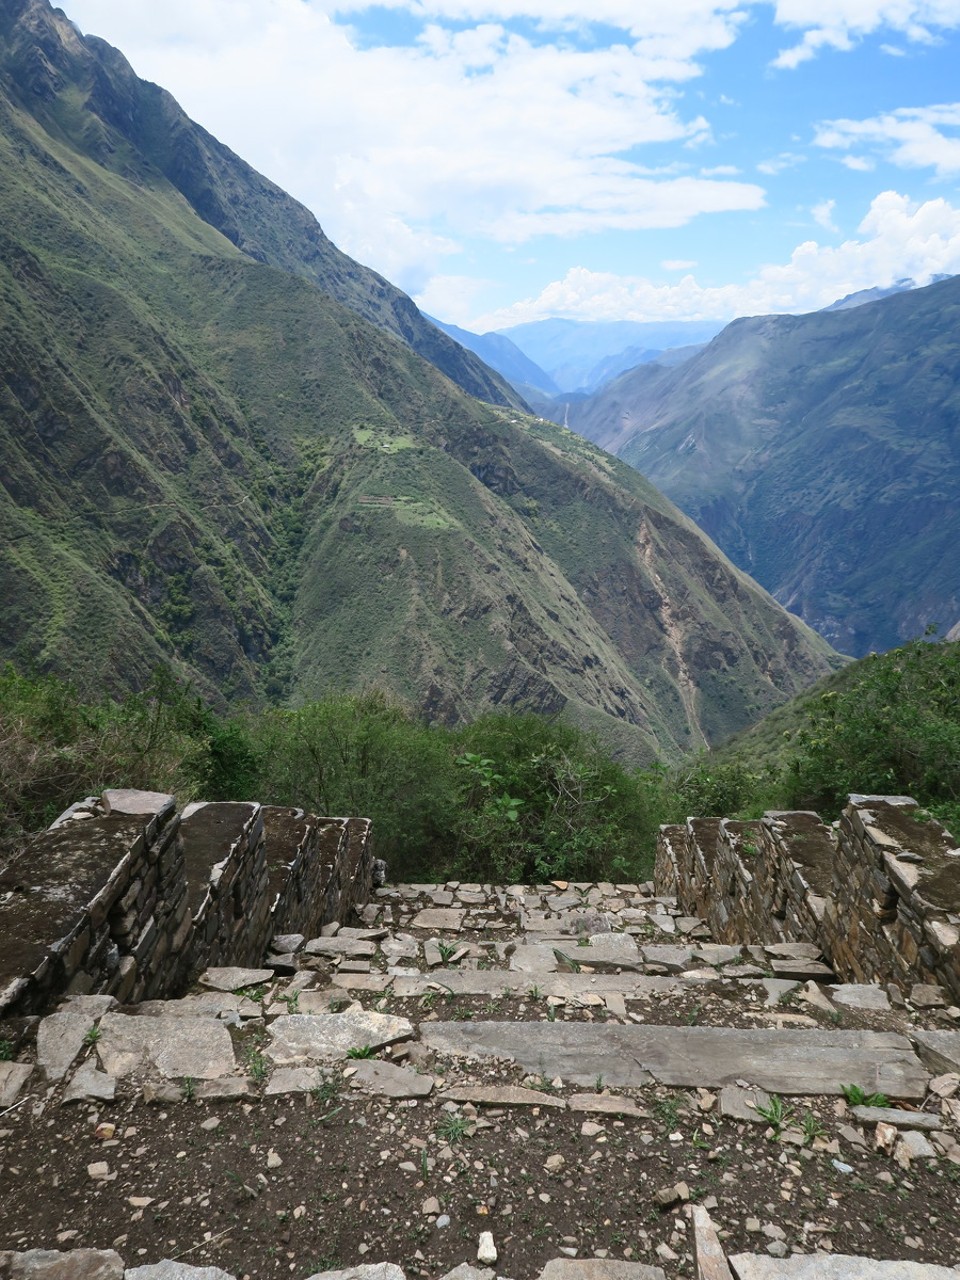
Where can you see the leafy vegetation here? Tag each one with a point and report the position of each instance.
(507, 798)
(887, 724)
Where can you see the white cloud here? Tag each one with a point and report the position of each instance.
(450, 298)
(822, 214)
(841, 24)
(778, 164)
(912, 137)
(678, 264)
(897, 238)
(405, 151)
(720, 171)
(859, 164)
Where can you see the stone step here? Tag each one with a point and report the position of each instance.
(780, 1061)
(747, 1266)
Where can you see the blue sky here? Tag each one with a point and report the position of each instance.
(623, 159)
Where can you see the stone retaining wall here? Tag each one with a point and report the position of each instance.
(879, 892)
(125, 896)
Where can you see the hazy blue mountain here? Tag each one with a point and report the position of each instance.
(580, 354)
(504, 356)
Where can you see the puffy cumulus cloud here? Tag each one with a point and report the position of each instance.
(897, 238)
(840, 24)
(912, 137)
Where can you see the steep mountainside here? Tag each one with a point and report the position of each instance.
(821, 452)
(85, 93)
(208, 461)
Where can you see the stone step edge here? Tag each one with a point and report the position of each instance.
(711, 1262)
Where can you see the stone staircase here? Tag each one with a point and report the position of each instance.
(565, 1081)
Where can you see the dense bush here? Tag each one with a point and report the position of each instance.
(544, 801)
(54, 749)
(509, 798)
(364, 755)
(894, 727)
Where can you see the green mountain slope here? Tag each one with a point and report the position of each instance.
(822, 453)
(85, 93)
(208, 461)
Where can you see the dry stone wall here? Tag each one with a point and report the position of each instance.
(878, 891)
(125, 896)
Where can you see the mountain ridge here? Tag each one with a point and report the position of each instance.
(820, 452)
(213, 464)
(252, 212)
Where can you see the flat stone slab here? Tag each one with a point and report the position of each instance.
(366, 1271)
(203, 1004)
(316, 1002)
(391, 1081)
(235, 979)
(294, 1080)
(709, 1253)
(362, 981)
(90, 1085)
(439, 918)
(741, 1104)
(717, 953)
(136, 803)
(170, 1270)
(860, 995)
(610, 948)
(802, 969)
(899, 1119)
(400, 947)
(51, 1264)
(534, 958)
(599, 1269)
(60, 1038)
(494, 982)
(603, 1104)
(781, 1061)
(351, 948)
(793, 950)
(173, 1047)
(13, 1076)
(300, 1038)
(673, 959)
(501, 1096)
(837, 1266)
(940, 1050)
(92, 1007)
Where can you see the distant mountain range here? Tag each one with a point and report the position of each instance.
(821, 452)
(222, 449)
(549, 362)
(581, 355)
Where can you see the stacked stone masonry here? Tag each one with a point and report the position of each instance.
(878, 892)
(124, 896)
